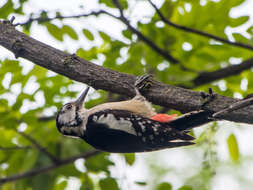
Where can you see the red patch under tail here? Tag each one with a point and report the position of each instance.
(161, 117)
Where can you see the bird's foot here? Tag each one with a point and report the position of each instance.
(207, 98)
(142, 82)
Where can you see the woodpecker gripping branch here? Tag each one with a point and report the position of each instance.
(128, 126)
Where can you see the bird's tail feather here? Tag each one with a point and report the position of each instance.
(191, 120)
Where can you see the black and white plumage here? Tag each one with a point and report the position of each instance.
(126, 127)
(135, 134)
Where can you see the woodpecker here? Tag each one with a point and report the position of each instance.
(128, 126)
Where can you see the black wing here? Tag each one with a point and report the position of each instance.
(125, 132)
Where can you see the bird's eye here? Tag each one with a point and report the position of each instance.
(69, 106)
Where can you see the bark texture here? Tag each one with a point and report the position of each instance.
(98, 77)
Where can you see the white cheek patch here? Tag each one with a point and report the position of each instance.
(113, 123)
(67, 117)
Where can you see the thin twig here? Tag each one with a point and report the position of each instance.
(123, 19)
(46, 118)
(48, 168)
(198, 32)
(39, 147)
(238, 105)
(150, 43)
(46, 19)
(207, 77)
(118, 5)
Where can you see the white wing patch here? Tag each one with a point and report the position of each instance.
(143, 128)
(121, 124)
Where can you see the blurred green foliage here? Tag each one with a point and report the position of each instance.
(26, 96)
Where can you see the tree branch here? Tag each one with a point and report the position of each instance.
(118, 5)
(122, 18)
(201, 79)
(99, 77)
(46, 19)
(45, 169)
(46, 118)
(198, 32)
(39, 147)
(207, 77)
(238, 105)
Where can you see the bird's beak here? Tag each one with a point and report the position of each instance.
(80, 101)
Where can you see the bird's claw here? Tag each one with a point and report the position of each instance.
(207, 97)
(143, 82)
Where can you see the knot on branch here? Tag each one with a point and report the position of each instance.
(70, 59)
(17, 48)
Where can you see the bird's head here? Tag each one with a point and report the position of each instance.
(69, 119)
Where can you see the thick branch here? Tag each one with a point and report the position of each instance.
(99, 77)
(202, 78)
(198, 32)
(45, 169)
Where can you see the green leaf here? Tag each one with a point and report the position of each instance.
(233, 148)
(164, 186)
(109, 3)
(55, 31)
(6, 9)
(30, 159)
(250, 30)
(87, 183)
(240, 38)
(88, 54)
(104, 36)
(43, 181)
(185, 187)
(98, 163)
(70, 31)
(68, 170)
(142, 183)
(61, 185)
(108, 184)
(88, 34)
(130, 158)
(124, 4)
(43, 15)
(127, 34)
(235, 2)
(238, 21)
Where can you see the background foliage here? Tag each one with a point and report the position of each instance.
(31, 95)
